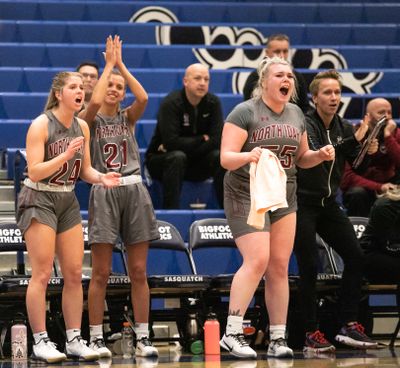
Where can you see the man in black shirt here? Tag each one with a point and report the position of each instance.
(278, 45)
(186, 141)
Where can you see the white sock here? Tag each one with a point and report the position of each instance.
(72, 333)
(277, 332)
(234, 325)
(141, 330)
(39, 336)
(96, 332)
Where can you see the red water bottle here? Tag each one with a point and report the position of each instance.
(211, 335)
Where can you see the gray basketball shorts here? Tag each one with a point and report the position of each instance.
(124, 212)
(237, 207)
(59, 210)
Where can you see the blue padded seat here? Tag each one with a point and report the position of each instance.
(22, 10)
(11, 80)
(21, 105)
(372, 34)
(182, 219)
(192, 192)
(287, 13)
(333, 11)
(97, 32)
(144, 132)
(182, 33)
(213, 247)
(340, 13)
(34, 79)
(63, 10)
(43, 32)
(13, 133)
(175, 56)
(316, 34)
(382, 13)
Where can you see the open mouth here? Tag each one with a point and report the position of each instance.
(284, 90)
(78, 100)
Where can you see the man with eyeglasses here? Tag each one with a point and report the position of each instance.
(90, 73)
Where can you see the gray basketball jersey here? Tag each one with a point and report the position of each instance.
(280, 133)
(112, 145)
(58, 141)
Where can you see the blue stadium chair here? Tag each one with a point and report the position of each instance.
(10, 10)
(11, 80)
(382, 13)
(145, 33)
(22, 54)
(175, 56)
(13, 133)
(192, 193)
(189, 12)
(21, 105)
(315, 34)
(182, 219)
(60, 55)
(36, 79)
(42, 32)
(213, 248)
(63, 10)
(8, 31)
(12, 248)
(144, 131)
(171, 273)
(340, 13)
(39, 79)
(372, 34)
(287, 13)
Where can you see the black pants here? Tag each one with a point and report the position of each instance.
(334, 227)
(172, 168)
(383, 227)
(358, 201)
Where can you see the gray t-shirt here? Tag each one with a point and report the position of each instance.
(112, 145)
(280, 133)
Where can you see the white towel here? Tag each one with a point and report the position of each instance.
(267, 188)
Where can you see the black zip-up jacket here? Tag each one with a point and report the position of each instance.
(319, 184)
(180, 126)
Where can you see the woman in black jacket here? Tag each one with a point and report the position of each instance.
(319, 212)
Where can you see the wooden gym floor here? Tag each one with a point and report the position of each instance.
(383, 357)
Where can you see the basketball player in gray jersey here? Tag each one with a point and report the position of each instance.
(57, 148)
(126, 210)
(268, 121)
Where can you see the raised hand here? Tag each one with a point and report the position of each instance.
(110, 53)
(118, 50)
(363, 129)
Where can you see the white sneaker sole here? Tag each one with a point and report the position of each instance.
(354, 343)
(49, 360)
(287, 354)
(328, 349)
(87, 358)
(146, 355)
(105, 354)
(234, 353)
